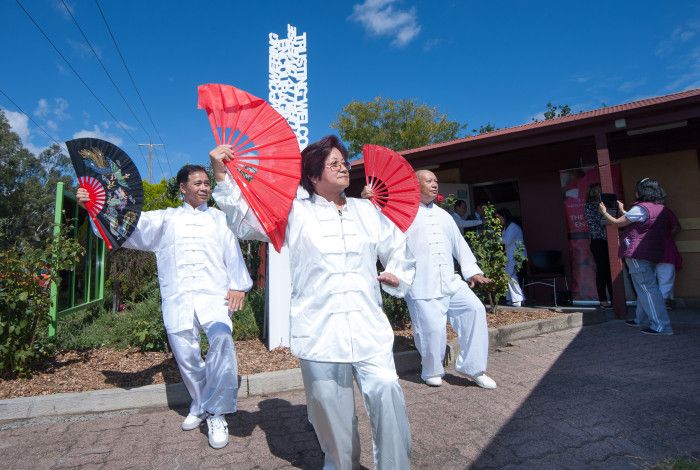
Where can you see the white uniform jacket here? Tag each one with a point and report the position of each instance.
(336, 307)
(436, 242)
(199, 260)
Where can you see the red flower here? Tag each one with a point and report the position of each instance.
(439, 198)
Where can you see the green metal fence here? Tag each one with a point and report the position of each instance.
(84, 285)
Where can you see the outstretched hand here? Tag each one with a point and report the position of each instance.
(478, 279)
(388, 279)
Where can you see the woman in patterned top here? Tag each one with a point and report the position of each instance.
(599, 245)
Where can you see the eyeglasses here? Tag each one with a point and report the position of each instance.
(335, 166)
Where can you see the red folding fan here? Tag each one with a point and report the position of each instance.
(266, 163)
(394, 184)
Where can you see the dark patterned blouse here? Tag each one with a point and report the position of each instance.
(594, 219)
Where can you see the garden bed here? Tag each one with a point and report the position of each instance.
(78, 371)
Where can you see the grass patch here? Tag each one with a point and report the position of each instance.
(678, 463)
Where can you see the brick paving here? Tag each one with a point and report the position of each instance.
(604, 396)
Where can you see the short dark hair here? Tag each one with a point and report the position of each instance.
(459, 203)
(649, 190)
(313, 159)
(184, 174)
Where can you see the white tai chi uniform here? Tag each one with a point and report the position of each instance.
(337, 326)
(437, 292)
(199, 260)
(512, 239)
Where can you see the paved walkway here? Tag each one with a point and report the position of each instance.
(605, 396)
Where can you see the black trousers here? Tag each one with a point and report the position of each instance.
(603, 280)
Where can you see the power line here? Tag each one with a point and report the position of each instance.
(133, 82)
(104, 67)
(94, 52)
(118, 123)
(30, 118)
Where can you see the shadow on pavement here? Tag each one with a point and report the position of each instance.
(614, 398)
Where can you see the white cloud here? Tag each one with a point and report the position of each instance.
(100, 133)
(19, 123)
(58, 6)
(381, 18)
(679, 36)
(58, 109)
(630, 85)
(690, 78)
(42, 108)
(84, 48)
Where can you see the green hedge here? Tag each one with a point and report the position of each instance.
(140, 325)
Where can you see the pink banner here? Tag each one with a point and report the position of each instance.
(575, 184)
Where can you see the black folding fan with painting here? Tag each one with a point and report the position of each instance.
(114, 184)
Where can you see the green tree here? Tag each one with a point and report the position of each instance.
(487, 246)
(159, 196)
(397, 124)
(484, 129)
(555, 111)
(27, 188)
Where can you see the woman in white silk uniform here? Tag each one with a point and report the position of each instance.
(438, 293)
(512, 239)
(202, 277)
(338, 329)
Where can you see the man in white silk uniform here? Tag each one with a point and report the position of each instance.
(202, 279)
(338, 329)
(437, 292)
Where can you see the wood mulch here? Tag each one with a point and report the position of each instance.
(79, 371)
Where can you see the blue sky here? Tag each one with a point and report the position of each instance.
(478, 62)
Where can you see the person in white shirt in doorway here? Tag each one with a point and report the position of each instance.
(337, 327)
(203, 279)
(438, 292)
(460, 210)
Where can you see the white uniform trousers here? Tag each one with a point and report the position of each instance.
(330, 402)
(467, 317)
(666, 275)
(212, 382)
(515, 295)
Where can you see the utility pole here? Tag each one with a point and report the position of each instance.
(150, 158)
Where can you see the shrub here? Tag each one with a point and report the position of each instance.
(141, 324)
(396, 311)
(487, 246)
(248, 323)
(26, 275)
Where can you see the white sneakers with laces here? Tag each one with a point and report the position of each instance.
(218, 431)
(192, 422)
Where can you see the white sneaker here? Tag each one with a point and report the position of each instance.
(484, 381)
(218, 431)
(433, 381)
(192, 422)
